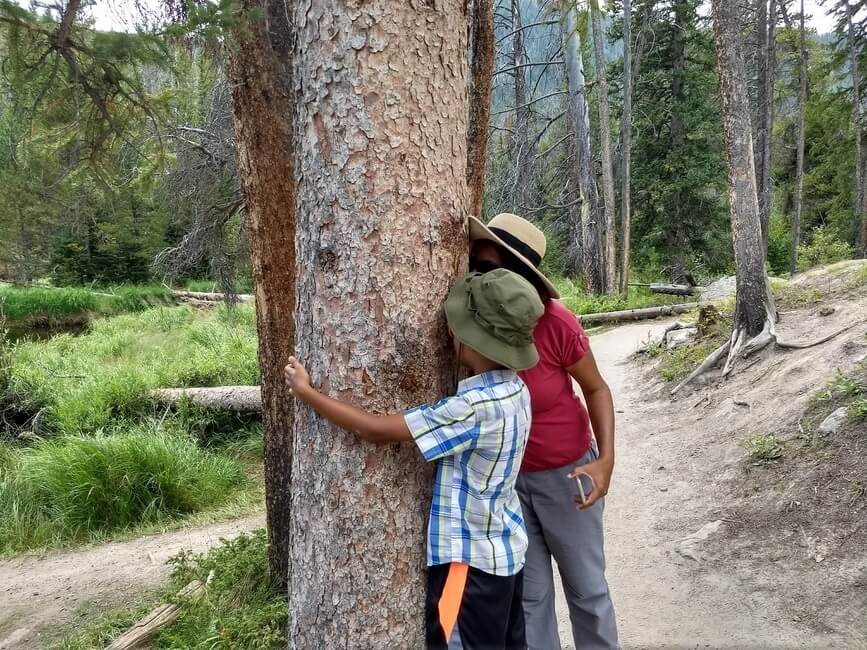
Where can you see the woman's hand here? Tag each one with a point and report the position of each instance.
(297, 377)
(599, 472)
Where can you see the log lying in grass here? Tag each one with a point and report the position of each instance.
(241, 399)
(206, 296)
(670, 289)
(637, 314)
(146, 627)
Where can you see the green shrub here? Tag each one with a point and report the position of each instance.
(75, 488)
(678, 363)
(763, 447)
(823, 248)
(779, 244)
(858, 409)
(243, 608)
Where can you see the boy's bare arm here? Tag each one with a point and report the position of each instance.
(367, 426)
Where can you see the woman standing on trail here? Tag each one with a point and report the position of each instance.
(561, 447)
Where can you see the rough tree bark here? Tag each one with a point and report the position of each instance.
(626, 139)
(521, 138)
(860, 211)
(262, 113)
(610, 208)
(767, 14)
(381, 110)
(482, 51)
(802, 115)
(586, 224)
(754, 306)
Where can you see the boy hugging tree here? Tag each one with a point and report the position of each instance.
(476, 538)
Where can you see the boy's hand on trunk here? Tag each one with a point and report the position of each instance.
(297, 378)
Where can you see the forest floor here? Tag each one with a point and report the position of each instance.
(707, 546)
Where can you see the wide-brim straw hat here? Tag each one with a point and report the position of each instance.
(520, 237)
(495, 313)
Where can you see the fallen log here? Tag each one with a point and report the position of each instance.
(669, 289)
(209, 296)
(241, 399)
(637, 314)
(143, 630)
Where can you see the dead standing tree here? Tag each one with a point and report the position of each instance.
(587, 218)
(482, 55)
(258, 73)
(381, 110)
(609, 208)
(626, 160)
(521, 150)
(766, 58)
(802, 122)
(755, 315)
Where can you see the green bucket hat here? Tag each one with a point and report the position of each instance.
(495, 313)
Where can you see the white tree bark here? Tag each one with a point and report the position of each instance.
(588, 220)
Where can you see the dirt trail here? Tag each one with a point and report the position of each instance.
(38, 594)
(664, 600)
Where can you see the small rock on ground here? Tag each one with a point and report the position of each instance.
(831, 424)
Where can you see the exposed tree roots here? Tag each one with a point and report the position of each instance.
(738, 347)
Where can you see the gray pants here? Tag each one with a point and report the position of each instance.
(575, 540)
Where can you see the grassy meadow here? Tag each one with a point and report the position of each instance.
(86, 454)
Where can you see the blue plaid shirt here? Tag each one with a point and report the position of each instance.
(478, 438)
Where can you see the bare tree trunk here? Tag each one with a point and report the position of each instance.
(262, 113)
(626, 139)
(481, 71)
(381, 109)
(754, 307)
(587, 224)
(521, 138)
(675, 226)
(765, 109)
(609, 229)
(799, 173)
(860, 212)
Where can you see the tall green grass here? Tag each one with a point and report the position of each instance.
(574, 297)
(45, 306)
(100, 381)
(75, 489)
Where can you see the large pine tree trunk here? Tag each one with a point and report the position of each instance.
(609, 229)
(626, 139)
(521, 138)
(482, 51)
(381, 109)
(754, 308)
(262, 114)
(860, 211)
(765, 109)
(586, 225)
(799, 170)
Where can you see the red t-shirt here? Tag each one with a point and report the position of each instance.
(560, 432)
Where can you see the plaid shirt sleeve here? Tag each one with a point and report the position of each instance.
(443, 429)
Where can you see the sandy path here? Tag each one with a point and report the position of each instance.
(662, 599)
(41, 593)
